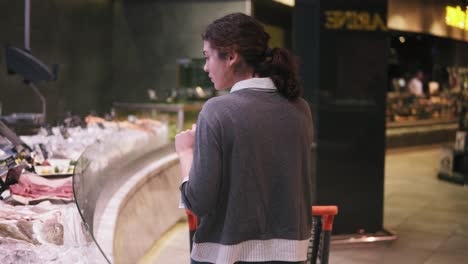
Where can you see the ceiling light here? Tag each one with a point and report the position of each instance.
(286, 2)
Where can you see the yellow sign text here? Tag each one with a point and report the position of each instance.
(456, 17)
(354, 20)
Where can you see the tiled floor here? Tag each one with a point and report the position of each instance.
(429, 216)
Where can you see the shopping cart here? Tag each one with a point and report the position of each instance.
(322, 225)
(319, 245)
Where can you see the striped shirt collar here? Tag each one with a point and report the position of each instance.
(255, 83)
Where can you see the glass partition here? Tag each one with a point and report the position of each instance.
(102, 168)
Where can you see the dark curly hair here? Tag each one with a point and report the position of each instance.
(243, 34)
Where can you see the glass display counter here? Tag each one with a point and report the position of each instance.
(81, 199)
(413, 120)
(404, 109)
(39, 222)
(104, 167)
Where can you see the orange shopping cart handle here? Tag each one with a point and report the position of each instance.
(324, 210)
(192, 220)
(327, 213)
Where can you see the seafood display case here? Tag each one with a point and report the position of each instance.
(52, 181)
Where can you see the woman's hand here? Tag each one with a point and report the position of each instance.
(184, 148)
(184, 140)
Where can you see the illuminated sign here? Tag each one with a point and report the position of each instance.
(456, 17)
(354, 20)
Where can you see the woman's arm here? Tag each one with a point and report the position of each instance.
(200, 192)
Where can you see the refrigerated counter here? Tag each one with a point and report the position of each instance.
(126, 189)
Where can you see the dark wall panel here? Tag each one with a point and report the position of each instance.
(107, 50)
(149, 36)
(76, 34)
(345, 76)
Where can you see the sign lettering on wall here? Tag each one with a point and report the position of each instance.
(455, 16)
(354, 20)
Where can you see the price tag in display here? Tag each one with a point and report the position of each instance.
(49, 131)
(64, 132)
(45, 153)
(10, 162)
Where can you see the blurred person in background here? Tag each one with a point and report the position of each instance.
(415, 84)
(246, 164)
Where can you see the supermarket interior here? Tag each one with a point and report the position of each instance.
(93, 93)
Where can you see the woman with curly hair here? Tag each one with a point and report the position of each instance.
(246, 164)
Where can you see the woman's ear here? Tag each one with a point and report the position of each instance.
(233, 58)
